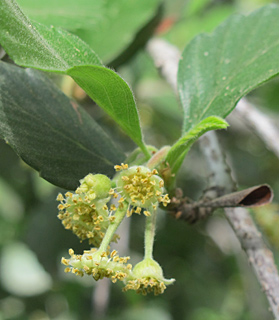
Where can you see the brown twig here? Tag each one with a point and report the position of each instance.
(221, 182)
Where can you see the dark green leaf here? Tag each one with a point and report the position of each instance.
(179, 150)
(217, 70)
(49, 132)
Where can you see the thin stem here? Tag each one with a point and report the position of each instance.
(149, 234)
(119, 216)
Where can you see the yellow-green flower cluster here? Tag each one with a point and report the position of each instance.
(85, 212)
(98, 264)
(147, 276)
(140, 187)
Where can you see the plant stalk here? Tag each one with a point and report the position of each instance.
(119, 216)
(149, 235)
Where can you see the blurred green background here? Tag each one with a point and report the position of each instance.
(213, 278)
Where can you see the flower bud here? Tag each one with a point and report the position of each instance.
(95, 184)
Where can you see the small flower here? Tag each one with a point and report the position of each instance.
(98, 264)
(140, 187)
(85, 212)
(147, 276)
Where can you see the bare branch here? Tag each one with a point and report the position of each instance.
(220, 182)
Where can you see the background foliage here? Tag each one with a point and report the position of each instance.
(213, 279)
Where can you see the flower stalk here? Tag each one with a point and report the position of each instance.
(149, 235)
(118, 217)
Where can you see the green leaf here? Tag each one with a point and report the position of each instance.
(51, 49)
(37, 46)
(179, 150)
(67, 14)
(217, 70)
(49, 132)
(108, 26)
(191, 24)
(107, 89)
